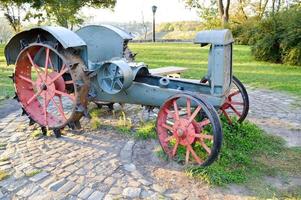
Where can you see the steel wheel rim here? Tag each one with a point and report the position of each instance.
(195, 134)
(236, 103)
(46, 88)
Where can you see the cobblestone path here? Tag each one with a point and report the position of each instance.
(277, 113)
(105, 165)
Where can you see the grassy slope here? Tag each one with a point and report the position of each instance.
(254, 73)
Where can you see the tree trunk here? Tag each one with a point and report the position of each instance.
(227, 13)
(221, 9)
(241, 7)
(224, 12)
(273, 6)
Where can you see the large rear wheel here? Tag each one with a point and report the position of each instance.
(51, 86)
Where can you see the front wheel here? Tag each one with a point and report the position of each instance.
(189, 129)
(237, 102)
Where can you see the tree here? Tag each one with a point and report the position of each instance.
(224, 11)
(209, 12)
(66, 12)
(12, 12)
(6, 31)
(63, 12)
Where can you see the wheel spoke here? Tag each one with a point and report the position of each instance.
(46, 63)
(197, 159)
(188, 101)
(204, 145)
(119, 83)
(236, 103)
(167, 127)
(116, 72)
(45, 109)
(204, 123)
(34, 97)
(65, 94)
(26, 79)
(227, 116)
(176, 115)
(34, 65)
(59, 109)
(112, 84)
(204, 136)
(236, 112)
(187, 156)
(51, 64)
(234, 94)
(61, 103)
(63, 70)
(197, 110)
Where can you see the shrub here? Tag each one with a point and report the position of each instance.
(243, 32)
(277, 38)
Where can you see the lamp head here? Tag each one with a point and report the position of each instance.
(154, 8)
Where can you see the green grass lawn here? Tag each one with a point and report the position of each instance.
(257, 74)
(251, 72)
(6, 84)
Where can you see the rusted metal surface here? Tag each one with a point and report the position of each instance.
(50, 94)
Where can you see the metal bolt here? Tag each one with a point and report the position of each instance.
(180, 132)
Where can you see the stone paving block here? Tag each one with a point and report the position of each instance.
(97, 195)
(130, 167)
(131, 192)
(56, 185)
(76, 190)
(1, 195)
(85, 193)
(4, 163)
(115, 190)
(126, 152)
(47, 181)
(28, 190)
(15, 185)
(38, 176)
(67, 187)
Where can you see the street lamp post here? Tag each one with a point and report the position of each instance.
(154, 8)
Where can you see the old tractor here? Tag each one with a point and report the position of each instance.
(58, 72)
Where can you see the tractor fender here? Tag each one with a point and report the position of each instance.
(45, 34)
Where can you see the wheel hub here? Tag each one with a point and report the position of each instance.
(44, 86)
(185, 131)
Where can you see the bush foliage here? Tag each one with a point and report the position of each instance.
(276, 38)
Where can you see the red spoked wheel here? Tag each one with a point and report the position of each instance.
(47, 86)
(189, 130)
(237, 103)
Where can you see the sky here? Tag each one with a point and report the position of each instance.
(131, 10)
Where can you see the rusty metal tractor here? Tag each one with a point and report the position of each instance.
(58, 72)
